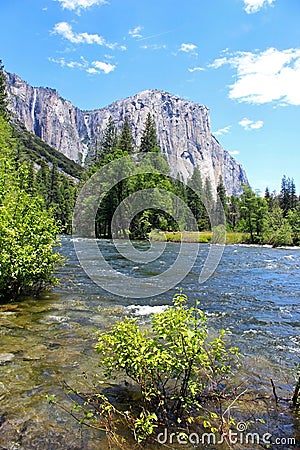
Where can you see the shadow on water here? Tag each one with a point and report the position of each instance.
(255, 293)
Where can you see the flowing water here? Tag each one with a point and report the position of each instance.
(255, 293)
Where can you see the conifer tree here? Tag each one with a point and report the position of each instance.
(126, 138)
(109, 143)
(287, 196)
(221, 191)
(149, 137)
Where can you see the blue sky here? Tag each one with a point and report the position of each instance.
(241, 58)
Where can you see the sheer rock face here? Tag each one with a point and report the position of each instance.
(183, 129)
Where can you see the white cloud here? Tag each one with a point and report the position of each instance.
(95, 67)
(92, 70)
(253, 6)
(188, 48)
(219, 62)
(77, 5)
(222, 131)
(104, 67)
(248, 124)
(195, 69)
(264, 77)
(71, 64)
(154, 47)
(65, 30)
(234, 153)
(136, 32)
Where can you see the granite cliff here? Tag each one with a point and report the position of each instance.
(183, 128)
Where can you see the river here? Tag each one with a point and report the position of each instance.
(254, 292)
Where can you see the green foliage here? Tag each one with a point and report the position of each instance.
(221, 191)
(252, 211)
(149, 137)
(174, 363)
(293, 217)
(287, 196)
(27, 231)
(126, 139)
(277, 229)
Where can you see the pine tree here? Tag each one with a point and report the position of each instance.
(221, 191)
(126, 139)
(149, 138)
(109, 142)
(287, 196)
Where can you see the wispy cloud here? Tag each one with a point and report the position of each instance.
(78, 5)
(136, 32)
(188, 48)
(253, 6)
(154, 47)
(65, 30)
(222, 131)
(102, 67)
(96, 67)
(195, 69)
(82, 64)
(234, 152)
(262, 77)
(249, 124)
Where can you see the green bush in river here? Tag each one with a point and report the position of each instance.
(174, 364)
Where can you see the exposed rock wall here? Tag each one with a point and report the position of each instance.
(183, 128)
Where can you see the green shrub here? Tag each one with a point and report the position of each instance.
(174, 363)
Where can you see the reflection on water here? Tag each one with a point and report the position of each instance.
(255, 292)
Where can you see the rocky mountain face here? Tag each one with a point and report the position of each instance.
(183, 129)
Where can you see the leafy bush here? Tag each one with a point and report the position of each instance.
(27, 235)
(174, 363)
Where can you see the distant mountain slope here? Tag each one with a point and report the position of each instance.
(37, 150)
(183, 128)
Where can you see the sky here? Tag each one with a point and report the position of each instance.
(240, 58)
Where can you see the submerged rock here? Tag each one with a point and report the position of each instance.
(6, 358)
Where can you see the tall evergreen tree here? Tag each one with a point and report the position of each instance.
(126, 138)
(233, 212)
(287, 196)
(109, 142)
(221, 191)
(149, 137)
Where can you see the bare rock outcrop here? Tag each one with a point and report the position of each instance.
(183, 129)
